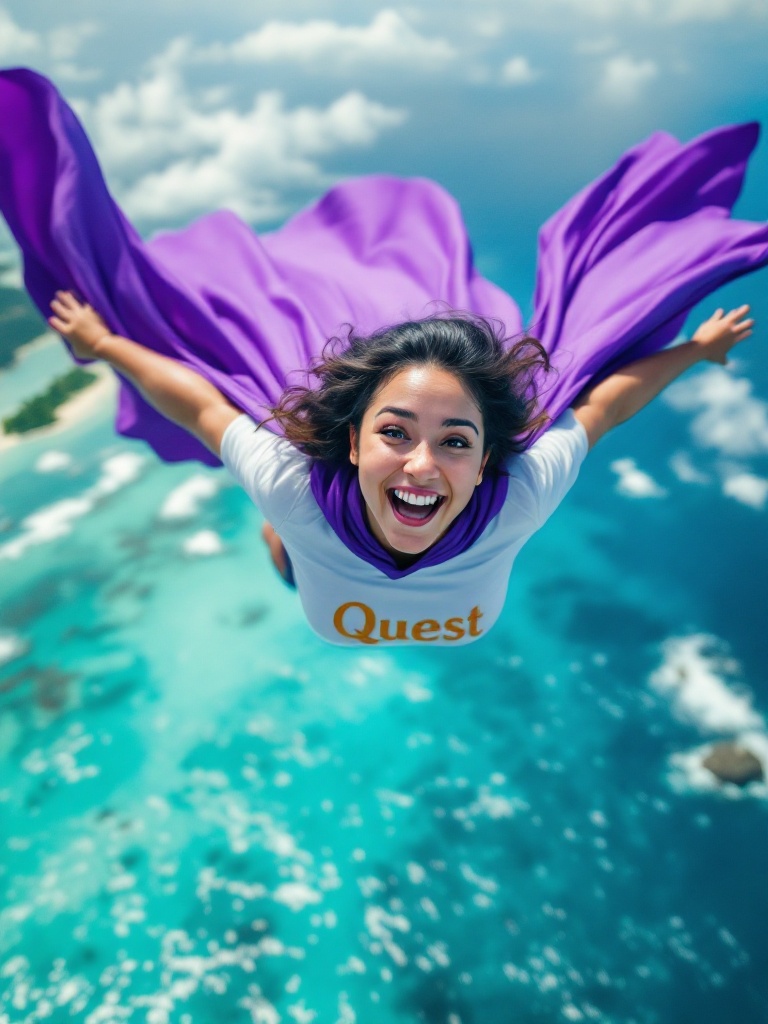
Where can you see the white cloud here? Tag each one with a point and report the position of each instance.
(727, 416)
(745, 487)
(663, 11)
(64, 42)
(518, 71)
(624, 78)
(389, 39)
(179, 154)
(597, 45)
(633, 482)
(57, 48)
(16, 43)
(489, 26)
(693, 678)
(712, 10)
(681, 465)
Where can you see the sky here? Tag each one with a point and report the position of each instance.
(513, 107)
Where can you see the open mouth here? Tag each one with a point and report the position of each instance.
(410, 514)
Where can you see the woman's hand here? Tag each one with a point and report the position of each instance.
(175, 390)
(79, 323)
(618, 397)
(721, 332)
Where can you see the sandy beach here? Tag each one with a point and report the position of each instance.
(79, 407)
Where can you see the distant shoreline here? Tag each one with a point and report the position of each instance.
(79, 407)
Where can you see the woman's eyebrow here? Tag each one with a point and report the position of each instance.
(461, 423)
(406, 414)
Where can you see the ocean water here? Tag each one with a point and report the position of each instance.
(208, 814)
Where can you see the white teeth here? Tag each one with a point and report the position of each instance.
(416, 499)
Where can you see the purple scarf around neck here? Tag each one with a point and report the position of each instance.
(337, 492)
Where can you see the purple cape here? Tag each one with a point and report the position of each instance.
(619, 267)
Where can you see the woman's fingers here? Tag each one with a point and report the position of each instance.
(68, 300)
(58, 325)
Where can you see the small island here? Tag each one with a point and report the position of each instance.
(40, 411)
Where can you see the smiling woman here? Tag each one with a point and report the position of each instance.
(424, 455)
(419, 409)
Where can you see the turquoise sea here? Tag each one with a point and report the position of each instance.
(208, 814)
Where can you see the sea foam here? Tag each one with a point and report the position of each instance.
(57, 520)
(693, 680)
(184, 501)
(634, 482)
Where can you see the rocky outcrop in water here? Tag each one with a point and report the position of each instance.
(732, 763)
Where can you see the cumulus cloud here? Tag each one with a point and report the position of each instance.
(624, 78)
(712, 10)
(518, 71)
(56, 49)
(633, 482)
(179, 154)
(64, 42)
(16, 43)
(656, 11)
(389, 39)
(727, 416)
(597, 45)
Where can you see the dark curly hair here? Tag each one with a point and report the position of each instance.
(499, 373)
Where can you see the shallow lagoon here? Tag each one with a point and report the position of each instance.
(211, 814)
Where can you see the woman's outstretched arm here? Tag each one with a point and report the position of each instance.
(620, 396)
(177, 392)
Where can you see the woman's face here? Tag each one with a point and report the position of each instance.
(419, 456)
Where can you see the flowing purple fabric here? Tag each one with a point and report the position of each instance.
(618, 269)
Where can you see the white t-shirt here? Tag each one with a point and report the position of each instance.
(348, 601)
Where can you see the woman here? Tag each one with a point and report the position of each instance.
(224, 318)
(422, 412)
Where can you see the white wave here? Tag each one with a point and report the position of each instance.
(11, 647)
(727, 415)
(116, 472)
(633, 482)
(184, 501)
(745, 487)
(205, 542)
(53, 461)
(47, 524)
(681, 465)
(57, 520)
(687, 771)
(296, 895)
(693, 680)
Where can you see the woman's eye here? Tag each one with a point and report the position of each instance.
(395, 432)
(458, 442)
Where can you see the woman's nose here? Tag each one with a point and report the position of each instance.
(421, 462)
